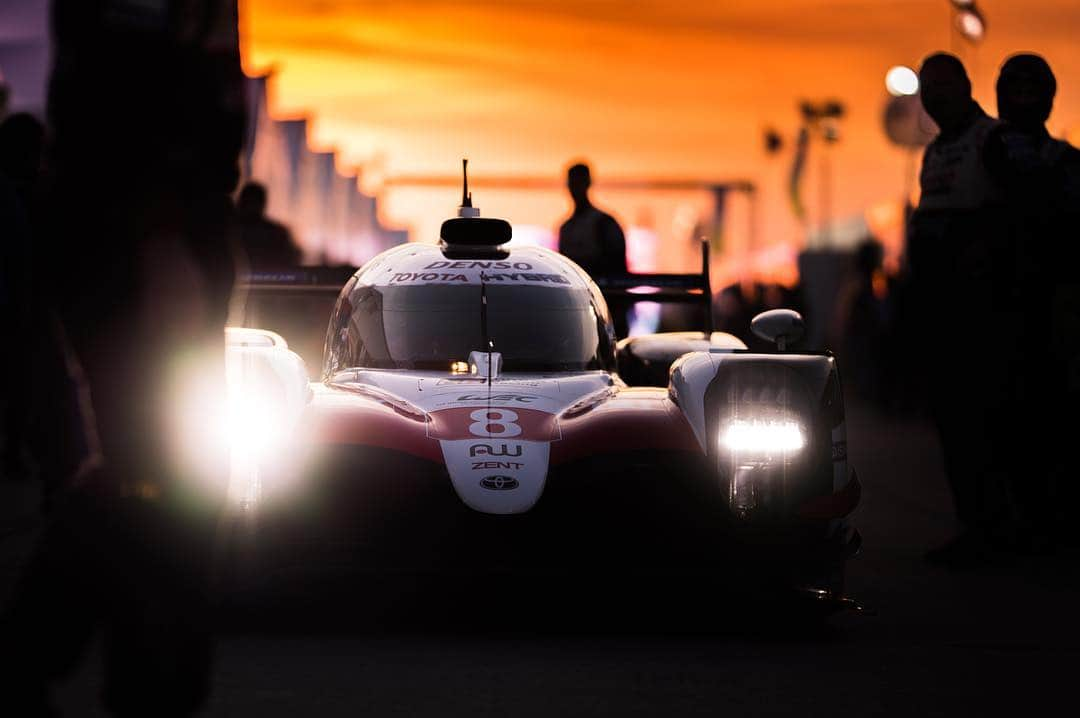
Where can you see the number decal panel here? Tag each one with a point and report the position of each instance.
(495, 422)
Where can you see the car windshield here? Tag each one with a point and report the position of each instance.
(431, 326)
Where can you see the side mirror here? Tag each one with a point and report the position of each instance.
(781, 326)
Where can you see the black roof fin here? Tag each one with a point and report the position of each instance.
(469, 234)
(466, 195)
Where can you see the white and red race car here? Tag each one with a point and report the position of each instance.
(472, 415)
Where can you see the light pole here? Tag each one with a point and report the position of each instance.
(822, 120)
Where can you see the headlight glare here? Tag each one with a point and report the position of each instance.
(254, 425)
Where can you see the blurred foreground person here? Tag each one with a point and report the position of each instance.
(21, 140)
(594, 240)
(954, 240)
(138, 213)
(267, 244)
(1040, 178)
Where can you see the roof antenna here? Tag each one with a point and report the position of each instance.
(466, 209)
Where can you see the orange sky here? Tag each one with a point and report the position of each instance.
(655, 89)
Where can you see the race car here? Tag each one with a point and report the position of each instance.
(473, 415)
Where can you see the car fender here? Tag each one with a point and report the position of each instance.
(690, 377)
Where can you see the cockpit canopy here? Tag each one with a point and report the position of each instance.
(416, 307)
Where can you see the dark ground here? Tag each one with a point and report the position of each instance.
(992, 641)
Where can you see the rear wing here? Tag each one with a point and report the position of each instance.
(664, 288)
(310, 280)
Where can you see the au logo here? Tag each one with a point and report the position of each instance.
(489, 450)
(499, 483)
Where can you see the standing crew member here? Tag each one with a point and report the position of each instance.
(1040, 178)
(951, 252)
(266, 244)
(594, 240)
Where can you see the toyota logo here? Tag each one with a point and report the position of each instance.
(499, 483)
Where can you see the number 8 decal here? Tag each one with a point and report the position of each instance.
(498, 423)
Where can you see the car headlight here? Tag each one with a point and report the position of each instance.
(254, 424)
(764, 434)
(762, 438)
(758, 453)
(229, 422)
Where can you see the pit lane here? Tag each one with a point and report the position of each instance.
(992, 641)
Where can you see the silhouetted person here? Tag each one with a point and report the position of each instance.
(21, 138)
(594, 240)
(267, 244)
(22, 142)
(859, 323)
(953, 242)
(734, 309)
(736, 305)
(42, 426)
(1039, 176)
(5, 98)
(14, 295)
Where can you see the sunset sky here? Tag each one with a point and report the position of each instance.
(641, 89)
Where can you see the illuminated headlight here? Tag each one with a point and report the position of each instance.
(764, 438)
(254, 425)
(231, 427)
